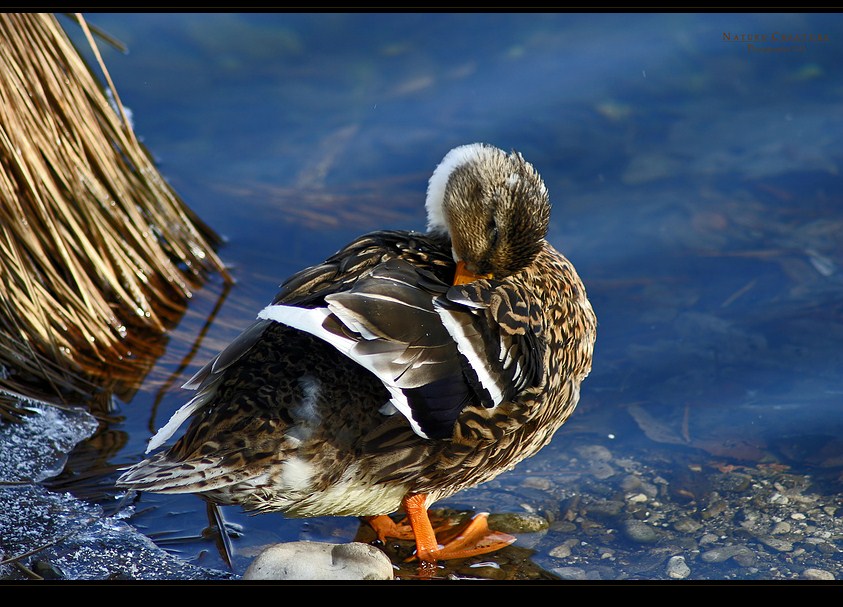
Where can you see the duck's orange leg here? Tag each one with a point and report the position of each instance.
(476, 538)
(385, 527)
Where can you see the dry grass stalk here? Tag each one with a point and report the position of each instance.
(98, 255)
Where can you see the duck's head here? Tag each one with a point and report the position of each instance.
(494, 207)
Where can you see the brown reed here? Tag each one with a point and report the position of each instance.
(98, 255)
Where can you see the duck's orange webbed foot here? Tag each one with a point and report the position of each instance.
(462, 542)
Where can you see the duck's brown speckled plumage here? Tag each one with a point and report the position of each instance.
(289, 423)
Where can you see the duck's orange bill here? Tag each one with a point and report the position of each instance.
(464, 276)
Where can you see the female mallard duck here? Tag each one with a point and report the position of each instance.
(401, 370)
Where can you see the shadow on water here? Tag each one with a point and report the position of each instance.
(696, 189)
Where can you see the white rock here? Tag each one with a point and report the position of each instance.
(677, 568)
(320, 561)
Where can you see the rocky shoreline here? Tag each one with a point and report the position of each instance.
(581, 514)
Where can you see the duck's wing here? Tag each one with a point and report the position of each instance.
(308, 288)
(436, 348)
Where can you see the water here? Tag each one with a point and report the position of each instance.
(695, 182)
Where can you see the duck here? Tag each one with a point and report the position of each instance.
(405, 368)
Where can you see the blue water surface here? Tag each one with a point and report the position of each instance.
(694, 176)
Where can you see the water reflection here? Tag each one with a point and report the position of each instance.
(696, 188)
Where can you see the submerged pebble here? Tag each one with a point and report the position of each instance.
(677, 568)
(741, 554)
(640, 532)
(817, 574)
(518, 522)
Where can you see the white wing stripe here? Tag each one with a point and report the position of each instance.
(464, 345)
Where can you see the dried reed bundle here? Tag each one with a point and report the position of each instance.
(98, 255)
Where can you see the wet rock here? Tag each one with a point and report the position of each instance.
(637, 498)
(594, 453)
(640, 532)
(563, 526)
(677, 568)
(632, 484)
(570, 573)
(742, 555)
(486, 570)
(320, 561)
(776, 543)
(781, 528)
(598, 458)
(817, 574)
(686, 525)
(715, 508)
(563, 550)
(734, 482)
(537, 482)
(518, 522)
(603, 509)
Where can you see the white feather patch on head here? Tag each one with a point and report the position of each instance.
(459, 156)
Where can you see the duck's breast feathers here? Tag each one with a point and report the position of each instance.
(436, 348)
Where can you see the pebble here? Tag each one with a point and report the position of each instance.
(518, 522)
(780, 528)
(640, 532)
(817, 574)
(537, 482)
(779, 499)
(570, 573)
(677, 568)
(486, 571)
(742, 555)
(714, 509)
(776, 543)
(563, 550)
(605, 508)
(735, 482)
(686, 525)
(594, 453)
(320, 561)
(563, 526)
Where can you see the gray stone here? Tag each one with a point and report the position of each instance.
(320, 561)
(537, 482)
(640, 532)
(518, 522)
(686, 525)
(776, 543)
(570, 573)
(817, 574)
(677, 568)
(742, 555)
